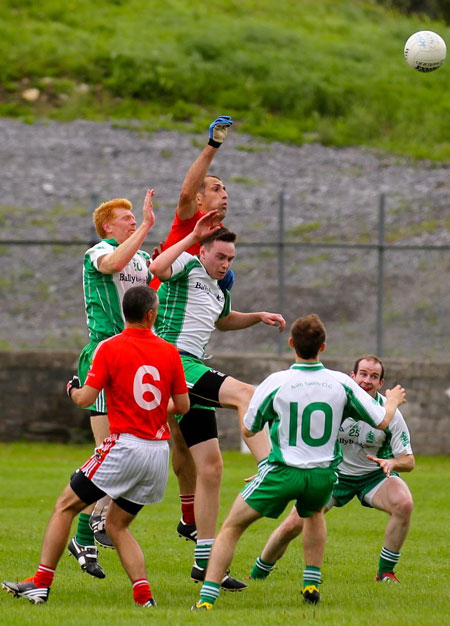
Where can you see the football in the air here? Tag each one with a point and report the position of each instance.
(425, 51)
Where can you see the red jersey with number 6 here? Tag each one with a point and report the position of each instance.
(139, 373)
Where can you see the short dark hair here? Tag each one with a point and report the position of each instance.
(308, 334)
(137, 301)
(369, 357)
(223, 234)
(203, 185)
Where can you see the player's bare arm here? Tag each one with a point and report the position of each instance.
(237, 320)
(395, 398)
(404, 463)
(83, 396)
(178, 404)
(248, 433)
(117, 260)
(162, 265)
(187, 202)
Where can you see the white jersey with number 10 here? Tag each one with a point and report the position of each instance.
(304, 407)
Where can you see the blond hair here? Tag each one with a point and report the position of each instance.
(105, 213)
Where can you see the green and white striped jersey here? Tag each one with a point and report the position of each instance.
(358, 439)
(190, 303)
(304, 407)
(103, 293)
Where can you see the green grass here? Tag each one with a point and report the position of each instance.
(313, 70)
(32, 475)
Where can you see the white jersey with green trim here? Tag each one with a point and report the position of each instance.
(304, 407)
(358, 439)
(190, 303)
(103, 293)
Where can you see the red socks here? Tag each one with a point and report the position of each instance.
(141, 591)
(43, 576)
(187, 508)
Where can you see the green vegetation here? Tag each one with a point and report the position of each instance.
(304, 229)
(330, 71)
(318, 258)
(411, 230)
(252, 148)
(32, 475)
(246, 180)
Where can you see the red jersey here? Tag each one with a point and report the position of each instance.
(181, 229)
(139, 373)
(178, 231)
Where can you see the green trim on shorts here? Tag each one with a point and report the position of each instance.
(194, 369)
(84, 363)
(277, 484)
(350, 486)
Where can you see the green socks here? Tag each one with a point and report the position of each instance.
(202, 552)
(209, 592)
(388, 560)
(84, 536)
(311, 576)
(261, 569)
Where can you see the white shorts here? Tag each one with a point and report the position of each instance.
(125, 466)
(100, 403)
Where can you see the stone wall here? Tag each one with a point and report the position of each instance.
(427, 383)
(34, 405)
(33, 400)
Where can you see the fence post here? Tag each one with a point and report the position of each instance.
(380, 283)
(94, 204)
(281, 285)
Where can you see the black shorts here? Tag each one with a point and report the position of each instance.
(198, 425)
(90, 493)
(206, 390)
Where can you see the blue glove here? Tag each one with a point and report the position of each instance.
(227, 282)
(218, 130)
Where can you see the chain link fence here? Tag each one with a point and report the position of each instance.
(381, 287)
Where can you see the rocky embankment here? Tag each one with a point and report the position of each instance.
(52, 174)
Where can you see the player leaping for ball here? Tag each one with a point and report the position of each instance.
(110, 268)
(192, 306)
(201, 192)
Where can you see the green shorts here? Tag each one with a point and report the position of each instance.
(276, 485)
(194, 369)
(350, 486)
(203, 384)
(84, 363)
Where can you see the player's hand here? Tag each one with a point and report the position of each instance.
(397, 393)
(218, 130)
(157, 251)
(147, 209)
(74, 383)
(205, 225)
(262, 463)
(273, 319)
(385, 464)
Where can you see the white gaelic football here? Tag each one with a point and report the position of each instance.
(425, 51)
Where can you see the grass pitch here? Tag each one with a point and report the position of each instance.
(327, 71)
(32, 475)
